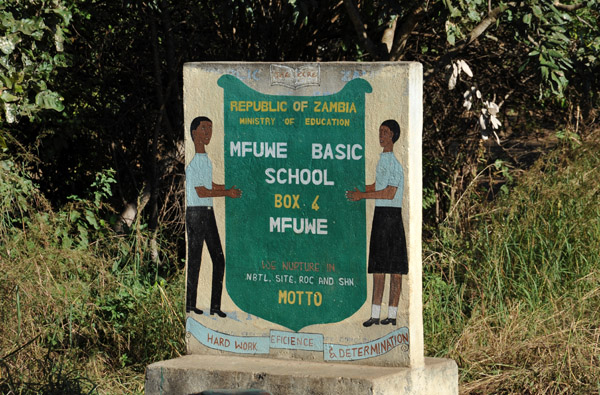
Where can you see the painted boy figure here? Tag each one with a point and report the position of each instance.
(200, 220)
(387, 247)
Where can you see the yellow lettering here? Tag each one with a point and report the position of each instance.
(282, 296)
(318, 298)
(290, 297)
(278, 200)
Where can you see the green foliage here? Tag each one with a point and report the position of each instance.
(563, 43)
(552, 48)
(94, 304)
(17, 196)
(32, 49)
(515, 299)
(85, 215)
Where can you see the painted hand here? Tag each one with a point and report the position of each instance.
(234, 192)
(354, 195)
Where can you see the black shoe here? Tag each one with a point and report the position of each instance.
(218, 312)
(370, 322)
(388, 321)
(195, 310)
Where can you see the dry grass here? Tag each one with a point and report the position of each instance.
(541, 352)
(516, 299)
(78, 317)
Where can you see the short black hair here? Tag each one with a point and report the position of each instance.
(196, 123)
(394, 128)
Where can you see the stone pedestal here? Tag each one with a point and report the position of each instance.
(192, 374)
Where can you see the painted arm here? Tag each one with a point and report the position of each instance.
(218, 190)
(370, 193)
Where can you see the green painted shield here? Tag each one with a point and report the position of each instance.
(295, 247)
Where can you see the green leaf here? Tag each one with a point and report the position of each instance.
(49, 100)
(37, 35)
(5, 63)
(561, 37)
(62, 60)
(527, 19)
(556, 78)
(10, 111)
(556, 11)
(74, 215)
(59, 39)
(40, 85)
(9, 43)
(8, 97)
(555, 53)
(64, 13)
(523, 66)
(551, 65)
(7, 82)
(474, 16)
(29, 26)
(91, 219)
(451, 38)
(7, 19)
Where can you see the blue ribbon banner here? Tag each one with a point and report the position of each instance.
(224, 342)
(297, 341)
(338, 352)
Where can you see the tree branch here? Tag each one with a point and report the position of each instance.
(480, 28)
(406, 28)
(359, 26)
(568, 7)
(388, 35)
(484, 24)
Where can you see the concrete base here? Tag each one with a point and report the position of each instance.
(192, 374)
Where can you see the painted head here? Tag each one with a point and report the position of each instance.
(389, 133)
(201, 130)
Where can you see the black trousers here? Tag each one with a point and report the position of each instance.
(202, 227)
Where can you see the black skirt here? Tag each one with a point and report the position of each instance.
(387, 249)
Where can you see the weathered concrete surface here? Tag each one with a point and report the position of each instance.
(195, 373)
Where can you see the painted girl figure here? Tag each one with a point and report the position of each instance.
(387, 247)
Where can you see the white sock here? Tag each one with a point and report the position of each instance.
(392, 311)
(375, 310)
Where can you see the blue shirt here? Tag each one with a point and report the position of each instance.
(198, 174)
(389, 173)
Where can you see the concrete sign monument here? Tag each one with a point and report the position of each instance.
(303, 181)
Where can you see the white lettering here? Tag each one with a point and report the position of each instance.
(342, 151)
(298, 176)
(258, 149)
(313, 226)
(270, 178)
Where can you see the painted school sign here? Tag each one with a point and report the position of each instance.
(303, 207)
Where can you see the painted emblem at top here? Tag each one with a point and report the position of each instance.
(295, 77)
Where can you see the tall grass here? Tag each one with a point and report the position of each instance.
(81, 308)
(515, 300)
